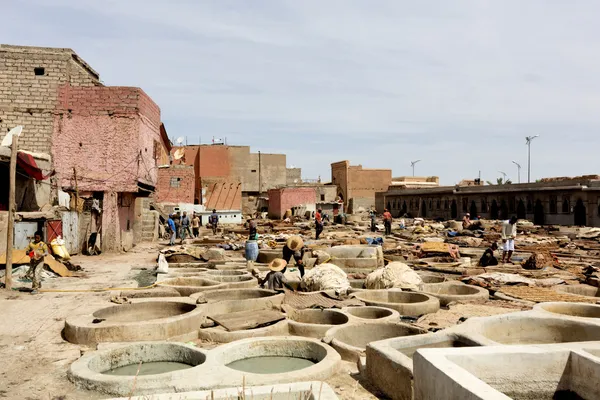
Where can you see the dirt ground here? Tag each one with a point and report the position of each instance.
(36, 358)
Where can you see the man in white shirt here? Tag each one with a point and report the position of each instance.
(509, 233)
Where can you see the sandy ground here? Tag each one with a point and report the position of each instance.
(36, 358)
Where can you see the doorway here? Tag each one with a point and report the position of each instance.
(453, 210)
(521, 210)
(538, 213)
(580, 213)
(424, 209)
(494, 210)
(473, 209)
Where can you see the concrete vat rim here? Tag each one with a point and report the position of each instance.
(83, 373)
(277, 345)
(354, 312)
(476, 293)
(580, 308)
(427, 304)
(352, 352)
(82, 329)
(213, 296)
(185, 290)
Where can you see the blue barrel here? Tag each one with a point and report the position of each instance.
(251, 250)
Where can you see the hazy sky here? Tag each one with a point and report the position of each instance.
(458, 84)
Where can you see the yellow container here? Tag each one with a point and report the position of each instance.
(60, 250)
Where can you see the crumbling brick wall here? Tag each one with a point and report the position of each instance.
(175, 184)
(29, 82)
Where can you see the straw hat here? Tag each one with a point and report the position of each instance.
(277, 264)
(295, 243)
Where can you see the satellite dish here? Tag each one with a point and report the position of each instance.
(179, 153)
(7, 141)
(180, 140)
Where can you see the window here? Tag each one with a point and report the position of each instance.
(175, 182)
(252, 170)
(566, 207)
(553, 205)
(38, 71)
(430, 204)
(322, 197)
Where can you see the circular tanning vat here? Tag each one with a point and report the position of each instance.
(314, 322)
(406, 303)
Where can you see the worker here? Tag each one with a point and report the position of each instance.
(172, 229)
(318, 223)
(509, 234)
(185, 226)
(294, 247)
(36, 250)
(253, 234)
(387, 222)
(196, 225)
(372, 215)
(213, 221)
(488, 259)
(275, 279)
(466, 222)
(177, 221)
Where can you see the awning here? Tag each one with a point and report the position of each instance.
(27, 162)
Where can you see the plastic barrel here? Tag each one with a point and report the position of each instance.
(251, 250)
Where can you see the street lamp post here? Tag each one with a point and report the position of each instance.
(518, 170)
(412, 164)
(528, 140)
(504, 176)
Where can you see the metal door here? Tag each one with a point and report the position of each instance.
(70, 230)
(53, 230)
(24, 232)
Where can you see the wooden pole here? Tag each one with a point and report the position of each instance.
(76, 191)
(11, 212)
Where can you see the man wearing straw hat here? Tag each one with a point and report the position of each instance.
(294, 247)
(275, 279)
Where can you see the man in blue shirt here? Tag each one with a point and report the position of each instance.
(171, 224)
(213, 220)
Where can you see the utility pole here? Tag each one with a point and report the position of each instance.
(412, 164)
(528, 140)
(11, 210)
(518, 170)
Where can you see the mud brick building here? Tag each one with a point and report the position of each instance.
(105, 143)
(357, 186)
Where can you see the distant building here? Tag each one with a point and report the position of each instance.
(232, 177)
(415, 182)
(357, 186)
(551, 201)
(297, 199)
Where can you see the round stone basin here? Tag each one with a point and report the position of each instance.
(320, 317)
(406, 303)
(235, 281)
(538, 331)
(262, 356)
(581, 310)
(315, 323)
(351, 340)
(372, 313)
(455, 291)
(582, 290)
(226, 273)
(432, 278)
(235, 294)
(188, 285)
(142, 311)
(114, 371)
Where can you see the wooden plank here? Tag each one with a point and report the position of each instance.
(243, 320)
(20, 258)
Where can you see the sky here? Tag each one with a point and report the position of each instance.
(456, 84)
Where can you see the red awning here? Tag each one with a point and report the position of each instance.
(27, 162)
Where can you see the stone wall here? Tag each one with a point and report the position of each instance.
(281, 200)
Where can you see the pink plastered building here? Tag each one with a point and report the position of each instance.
(107, 144)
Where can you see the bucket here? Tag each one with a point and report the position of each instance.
(251, 250)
